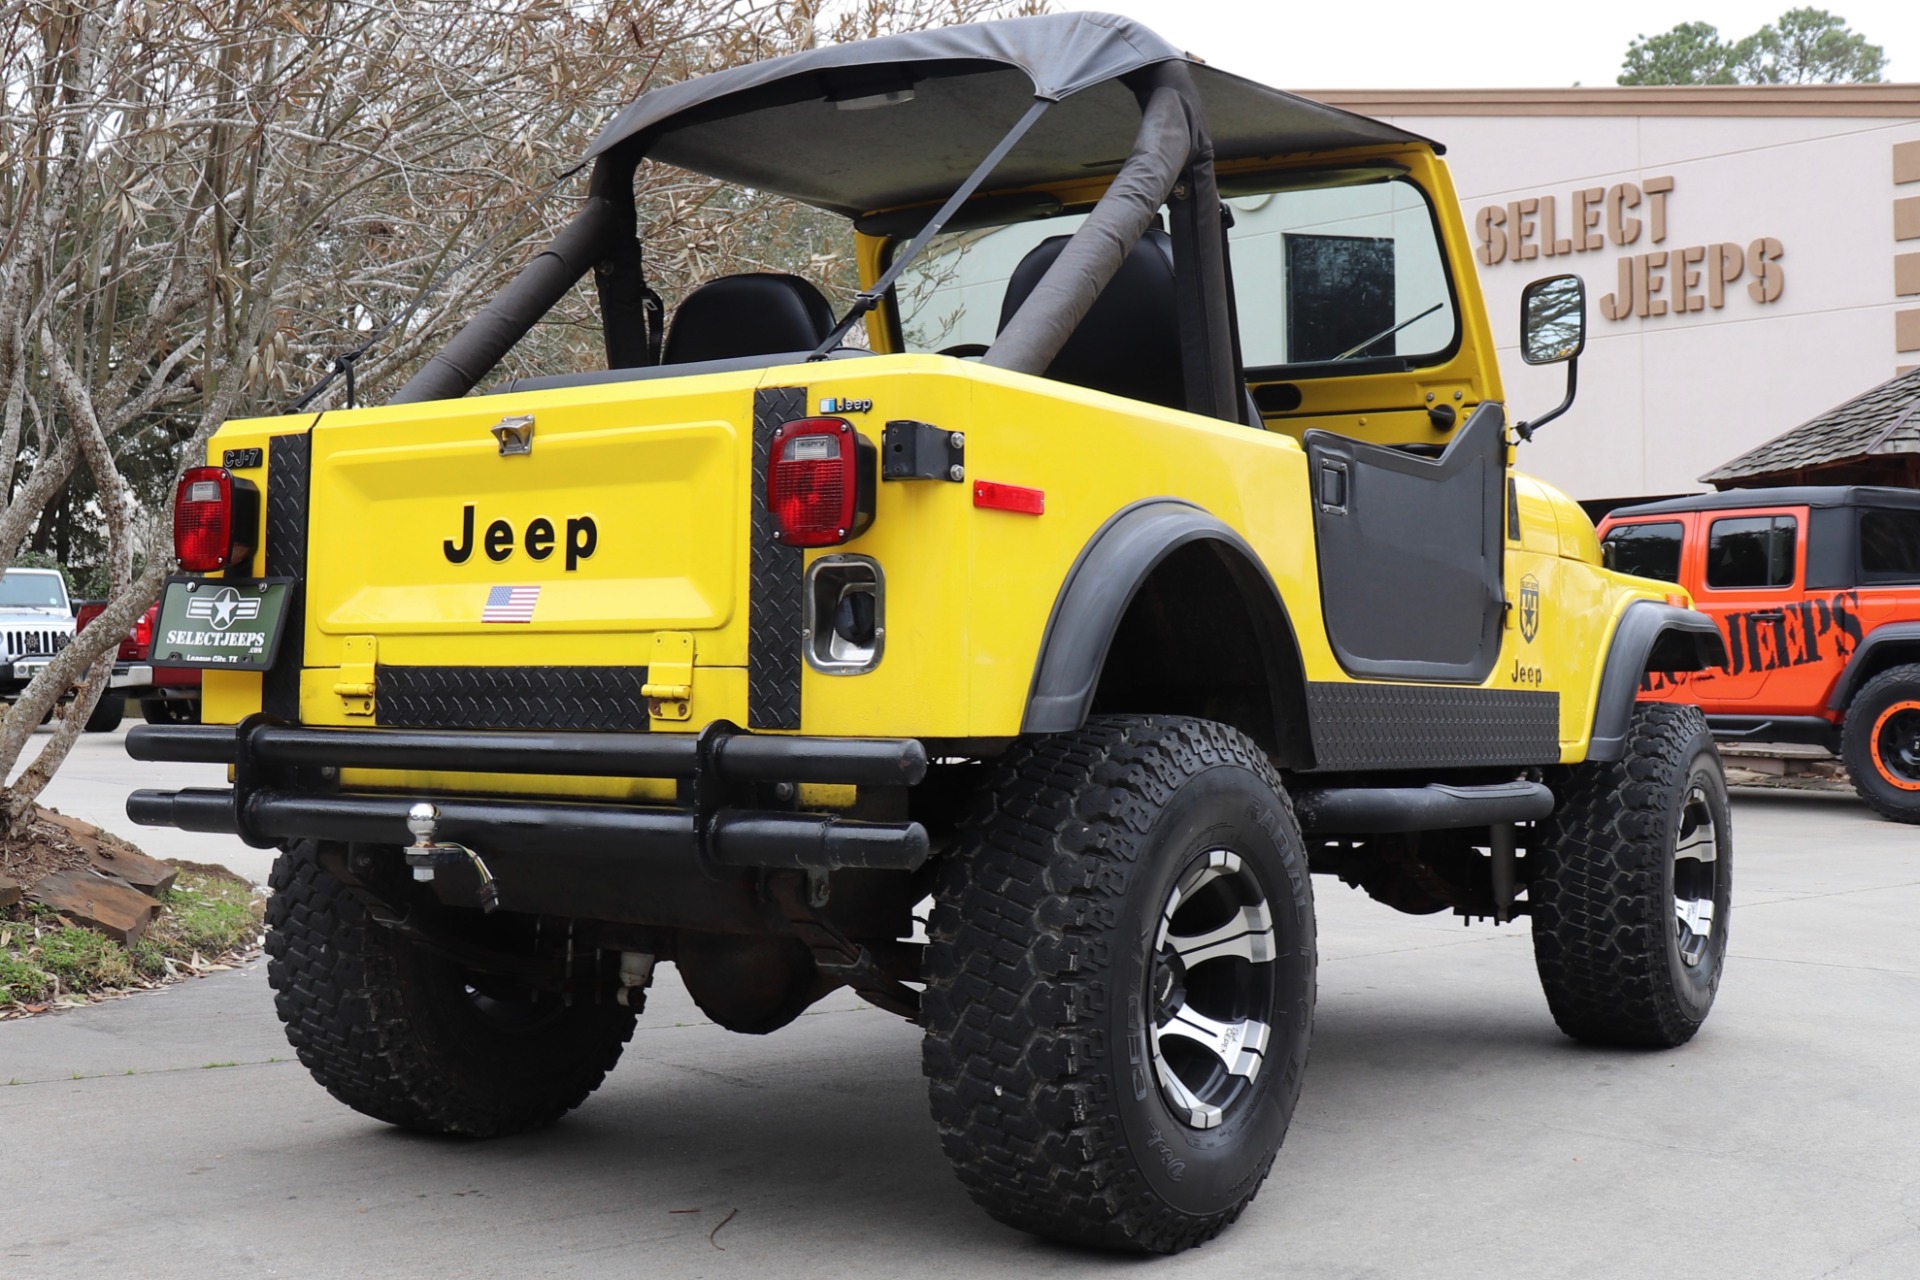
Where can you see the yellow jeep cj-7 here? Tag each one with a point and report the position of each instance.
(1154, 543)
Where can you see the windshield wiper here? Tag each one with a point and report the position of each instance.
(1388, 333)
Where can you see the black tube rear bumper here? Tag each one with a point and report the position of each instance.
(284, 774)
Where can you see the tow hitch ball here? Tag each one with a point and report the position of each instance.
(636, 975)
(427, 855)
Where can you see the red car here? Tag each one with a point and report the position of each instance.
(1817, 591)
(167, 695)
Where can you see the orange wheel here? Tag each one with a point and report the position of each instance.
(1881, 742)
(1895, 744)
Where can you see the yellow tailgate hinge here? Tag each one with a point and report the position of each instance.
(354, 686)
(669, 686)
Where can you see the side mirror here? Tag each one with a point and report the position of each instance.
(1553, 320)
(1553, 330)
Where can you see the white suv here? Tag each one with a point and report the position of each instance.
(36, 622)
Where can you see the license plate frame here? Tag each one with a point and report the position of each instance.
(221, 624)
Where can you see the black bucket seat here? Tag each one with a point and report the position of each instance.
(757, 314)
(1129, 342)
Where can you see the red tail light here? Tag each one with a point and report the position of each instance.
(214, 518)
(820, 482)
(143, 632)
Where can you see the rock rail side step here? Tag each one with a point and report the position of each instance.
(1357, 811)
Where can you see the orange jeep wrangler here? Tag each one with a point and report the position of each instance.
(1817, 591)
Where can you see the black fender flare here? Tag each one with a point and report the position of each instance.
(1650, 637)
(1854, 674)
(1109, 572)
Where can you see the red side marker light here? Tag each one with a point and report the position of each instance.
(1009, 497)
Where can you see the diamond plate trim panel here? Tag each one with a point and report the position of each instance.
(289, 459)
(1379, 726)
(510, 697)
(773, 605)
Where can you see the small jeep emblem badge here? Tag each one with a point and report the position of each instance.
(1529, 608)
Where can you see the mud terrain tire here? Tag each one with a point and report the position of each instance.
(1881, 743)
(170, 711)
(1092, 864)
(107, 713)
(396, 1033)
(1629, 918)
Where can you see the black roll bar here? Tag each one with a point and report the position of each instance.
(596, 233)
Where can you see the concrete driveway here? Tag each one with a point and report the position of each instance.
(1446, 1130)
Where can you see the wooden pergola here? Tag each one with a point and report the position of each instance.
(1871, 439)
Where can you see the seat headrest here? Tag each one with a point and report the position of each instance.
(747, 315)
(1129, 342)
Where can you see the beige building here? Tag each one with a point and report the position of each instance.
(1752, 257)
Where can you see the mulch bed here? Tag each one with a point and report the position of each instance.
(48, 847)
(51, 875)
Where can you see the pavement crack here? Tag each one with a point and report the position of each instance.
(1815, 897)
(1478, 940)
(81, 1076)
(1746, 958)
(709, 1073)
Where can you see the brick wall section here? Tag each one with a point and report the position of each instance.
(1906, 162)
(1906, 265)
(1906, 331)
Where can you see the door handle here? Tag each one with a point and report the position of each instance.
(1771, 615)
(1333, 487)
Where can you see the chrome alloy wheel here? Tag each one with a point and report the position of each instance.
(1211, 988)
(1696, 870)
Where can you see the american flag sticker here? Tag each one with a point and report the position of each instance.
(510, 604)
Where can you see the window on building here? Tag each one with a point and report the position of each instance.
(1339, 294)
(1650, 550)
(1889, 546)
(1751, 551)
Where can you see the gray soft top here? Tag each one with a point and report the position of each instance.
(833, 127)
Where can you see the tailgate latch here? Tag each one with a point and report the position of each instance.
(354, 683)
(515, 435)
(669, 686)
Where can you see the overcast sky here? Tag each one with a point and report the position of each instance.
(1391, 44)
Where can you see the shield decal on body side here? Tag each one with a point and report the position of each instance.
(1529, 608)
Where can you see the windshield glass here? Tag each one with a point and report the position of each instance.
(20, 590)
(1351, 272)
(950, 295)
(1330, 271)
